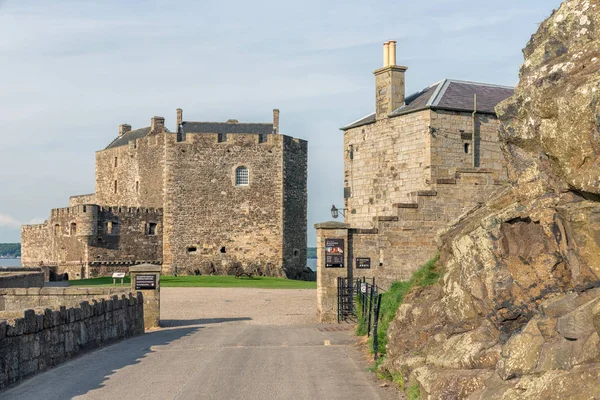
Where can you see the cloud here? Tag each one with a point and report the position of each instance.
(6, 221)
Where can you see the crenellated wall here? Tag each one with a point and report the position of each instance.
(214, 226)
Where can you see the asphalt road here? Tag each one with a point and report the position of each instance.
(245, 353)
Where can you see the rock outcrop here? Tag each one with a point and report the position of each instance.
(517, 315)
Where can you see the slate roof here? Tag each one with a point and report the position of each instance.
(131, 135)
(448, 94)
(197, 127)
(223, 127)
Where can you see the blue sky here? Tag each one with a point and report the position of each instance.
(71, 71)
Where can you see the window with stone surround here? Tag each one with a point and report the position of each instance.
(152, 229)
(73, 230)
(242, 178)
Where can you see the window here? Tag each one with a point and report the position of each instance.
(112, 228)
(241, 176)
(151, 228)
(115, 186)
(137, 186)
(56, 229)
(192, 249)
(116, 161)
(466, 148)
(73, 228)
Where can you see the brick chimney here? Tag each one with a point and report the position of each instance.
(124, 128)
(276, 120)
(179, 117)
(389, 83)
(157, 124)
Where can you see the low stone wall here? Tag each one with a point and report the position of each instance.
(42, 339)
(21, 278)
(54, 297)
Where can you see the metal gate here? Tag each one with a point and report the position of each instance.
(346, 291)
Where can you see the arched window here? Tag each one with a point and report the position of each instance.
(73, 228)
(241, 176)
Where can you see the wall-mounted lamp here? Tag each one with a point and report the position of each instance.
(335, 211)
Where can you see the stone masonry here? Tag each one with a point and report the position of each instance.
(43, 338)
(173, 198)
(412, 167)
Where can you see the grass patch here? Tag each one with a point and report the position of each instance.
(391, 300)
(208, 281)
(414, 393)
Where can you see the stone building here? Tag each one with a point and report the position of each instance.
(410, 168)
(207, 198)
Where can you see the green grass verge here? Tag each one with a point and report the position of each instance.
(208, 281)
(391, 300)
(414, 393)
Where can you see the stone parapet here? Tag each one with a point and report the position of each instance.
(44, 338)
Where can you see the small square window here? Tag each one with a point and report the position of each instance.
(242, 177)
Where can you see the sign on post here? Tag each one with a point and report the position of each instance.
(363, 263)
(334, 253)
(118, 275)
(145, 282)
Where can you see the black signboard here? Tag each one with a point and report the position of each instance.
(145, 282)
(334, 253)
(363, 263)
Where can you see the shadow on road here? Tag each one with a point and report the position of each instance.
(169, 323)
(91, 370)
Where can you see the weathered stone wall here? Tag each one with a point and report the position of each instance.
(36, 245)
(46, 338)
(386, 161)
(21, 278)
(138, 170)
(383, 162)
(451, 131)
(82, 199)
(214, 226)
(295, 158)
(126, 236)
(87, 240)
(19, 299)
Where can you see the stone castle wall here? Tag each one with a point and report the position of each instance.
(383, 162)
(214, 226)
(295, 158)
(82, 199)
(386, 161)
(137, 169)
(42, 339)
(88, 240)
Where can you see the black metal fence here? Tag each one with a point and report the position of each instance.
(360, 300)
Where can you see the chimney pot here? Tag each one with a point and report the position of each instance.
(276, 120)
(392, 52)
(179, 117)
(386, 54)
(157, 124)
(389, 83)
(124, 128)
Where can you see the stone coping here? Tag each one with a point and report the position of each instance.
(64, 291)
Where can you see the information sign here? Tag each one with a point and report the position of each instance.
(334, 253)
(363, 263)
(145, 282)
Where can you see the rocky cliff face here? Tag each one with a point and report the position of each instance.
(517, 314)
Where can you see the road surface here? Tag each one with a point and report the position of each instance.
(220, 344)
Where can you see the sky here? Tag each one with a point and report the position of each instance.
(71, 71)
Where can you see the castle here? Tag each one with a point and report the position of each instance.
(411, 167)
(208, 198)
